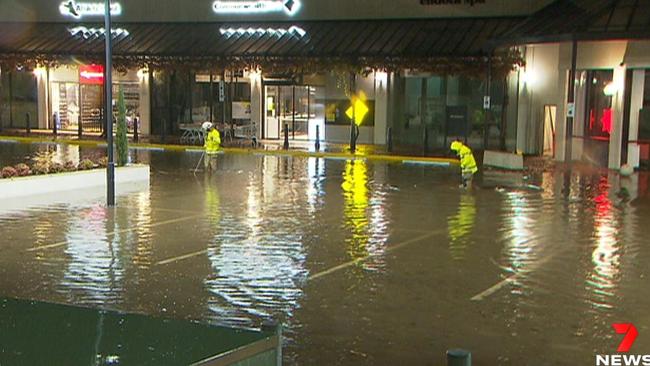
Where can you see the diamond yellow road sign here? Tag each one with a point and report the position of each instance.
(358, 110)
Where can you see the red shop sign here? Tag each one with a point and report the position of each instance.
(91, 74)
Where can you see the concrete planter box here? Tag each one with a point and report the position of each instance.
(502, 160)
(95, 179)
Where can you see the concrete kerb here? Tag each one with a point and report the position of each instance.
(234, 150)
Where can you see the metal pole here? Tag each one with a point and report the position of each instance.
(28, 128)
(108, 113)
(353, 134)
(80, 128)
(390, 140)
(459, 357)
(571, 101)
(54, 126)
(487, 105)
(286, 136)
(317, 137)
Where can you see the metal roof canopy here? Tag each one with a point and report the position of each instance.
(371, 38)
(582, 20)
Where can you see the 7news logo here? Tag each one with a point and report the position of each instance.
(630, 334)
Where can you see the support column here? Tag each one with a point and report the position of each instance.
(145, 103)
(633, 149)
(571, 102)
(381, 108)
(256, 102)
(618, 103)
(43, 97)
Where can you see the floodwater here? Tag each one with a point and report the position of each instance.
(364, 263)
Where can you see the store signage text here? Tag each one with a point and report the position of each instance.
(77, 10)
(91, 74)
(96, 32)
(452, 2)
(290, 7)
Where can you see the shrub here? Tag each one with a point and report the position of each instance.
(57, 168)
(43, 161)
(69, 166)
(102, 162)
(22, 170)
(8, 172)
(40, 169)
(86, 164)
(121, 141)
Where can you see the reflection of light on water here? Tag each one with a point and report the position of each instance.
(94, 270)
(258, 267)
(368, 228)
(520, 251)
(606, 256)
(144, 244)
(460, 226)
(315, 172)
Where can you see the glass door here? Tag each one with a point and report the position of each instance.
(297, 107)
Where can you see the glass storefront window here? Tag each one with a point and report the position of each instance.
(18, 97)
(448, 107)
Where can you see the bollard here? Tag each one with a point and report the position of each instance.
(273, 327)
(317, 137)
(27, 124)
(136, 122)
(286, 136)
(80, 130)
(54, 126)
(425, 140)
(353, 138)
(390, 139)
(459, 357)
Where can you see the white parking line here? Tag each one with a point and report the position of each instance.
(182, 257)
(134, 228)
(389, 249)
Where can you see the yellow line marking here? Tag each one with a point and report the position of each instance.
(161, 223)
(389, 249)
(236, 150)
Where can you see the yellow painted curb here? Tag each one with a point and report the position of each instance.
(236, 150)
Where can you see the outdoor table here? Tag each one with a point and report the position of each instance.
(191, 134)
(37, 333)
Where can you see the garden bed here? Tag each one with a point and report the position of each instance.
(70, 181)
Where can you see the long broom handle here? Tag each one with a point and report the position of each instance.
(199, 163)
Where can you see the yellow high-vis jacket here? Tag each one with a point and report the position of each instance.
(212, 142)
(467, 162)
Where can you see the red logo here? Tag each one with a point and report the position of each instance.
(630, 335)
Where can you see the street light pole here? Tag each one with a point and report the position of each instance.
(108, 112)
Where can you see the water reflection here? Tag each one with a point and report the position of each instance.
(460, 226)
(364, 215)
(606, 256)
(258, 260)
(94, 270)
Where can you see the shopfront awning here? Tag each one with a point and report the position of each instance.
(583, 20)
(431, 44)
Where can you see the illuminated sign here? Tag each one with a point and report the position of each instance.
(358, 109)
(290, 7)
(293, 30)
(77, 10)
(91, 74)
(96, 32)
(452, 2)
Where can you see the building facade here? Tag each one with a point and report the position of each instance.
(415, 73)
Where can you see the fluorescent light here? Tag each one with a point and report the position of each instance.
(96, 32)
(293, 30)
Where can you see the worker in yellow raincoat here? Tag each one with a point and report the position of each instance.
(212, 145)
(467, 162)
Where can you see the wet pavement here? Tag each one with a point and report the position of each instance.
(364, 263)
